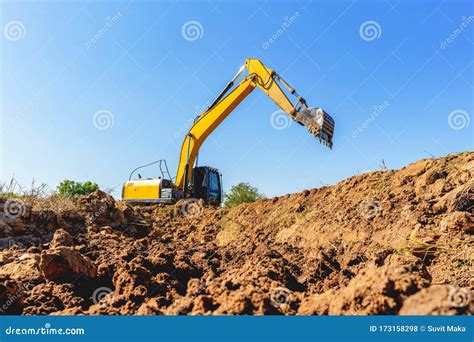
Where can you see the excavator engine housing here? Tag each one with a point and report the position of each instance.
(150, 190)
(205, 184)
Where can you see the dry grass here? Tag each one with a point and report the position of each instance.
(37, 196)
(418, 247)
(53, 202)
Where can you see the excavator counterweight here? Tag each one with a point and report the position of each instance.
(205, 182)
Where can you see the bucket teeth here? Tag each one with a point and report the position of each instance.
(318, 122)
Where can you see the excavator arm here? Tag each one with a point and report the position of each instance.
(319, 123)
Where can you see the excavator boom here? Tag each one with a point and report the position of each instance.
(204, 181)
(319, 123)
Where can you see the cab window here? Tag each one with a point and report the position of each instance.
(214, 188)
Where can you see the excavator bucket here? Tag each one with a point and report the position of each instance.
(318, 122)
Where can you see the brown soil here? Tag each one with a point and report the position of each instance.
(386, 242)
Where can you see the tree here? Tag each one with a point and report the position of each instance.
(241, 193)
(72, 188)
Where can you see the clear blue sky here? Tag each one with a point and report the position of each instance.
(412, 60)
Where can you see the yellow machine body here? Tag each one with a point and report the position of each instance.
(141, 190)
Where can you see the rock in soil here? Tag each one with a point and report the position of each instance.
(384, 242)
(65, 264)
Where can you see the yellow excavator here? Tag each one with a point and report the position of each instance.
(204, 182)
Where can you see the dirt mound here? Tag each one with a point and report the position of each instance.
(385, 242)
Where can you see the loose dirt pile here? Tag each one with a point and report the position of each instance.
(386, 242)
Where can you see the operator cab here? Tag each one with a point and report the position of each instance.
(206, 184)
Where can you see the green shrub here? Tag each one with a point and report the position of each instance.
(241, 193)
(72, 188)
